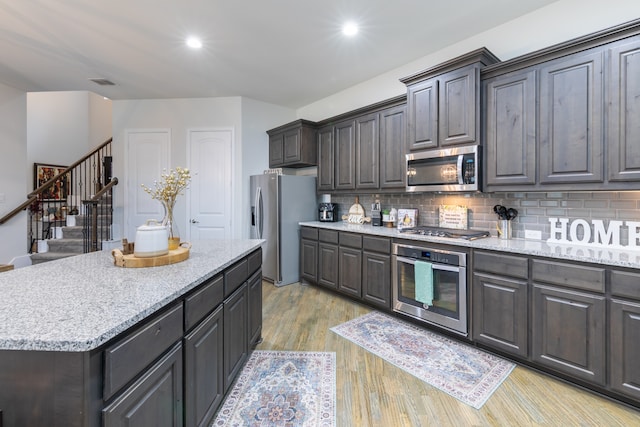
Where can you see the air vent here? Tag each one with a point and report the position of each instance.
(103, 82)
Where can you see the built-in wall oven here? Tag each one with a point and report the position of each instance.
(431, 285)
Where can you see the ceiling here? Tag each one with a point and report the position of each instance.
(285, 52)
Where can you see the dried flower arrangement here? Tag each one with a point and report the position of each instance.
(171, 185)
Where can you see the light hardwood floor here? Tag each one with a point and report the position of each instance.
(372, 392)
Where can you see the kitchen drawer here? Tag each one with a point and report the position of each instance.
(254, 261)
(376, 244)
(309, 233)
(203, 301)
(351, 240)
(501, 264)
(235, 276)
(127, 358)
(624, 284)
(328, 236)
(570, 275)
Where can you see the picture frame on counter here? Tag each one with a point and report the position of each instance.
(407, 218)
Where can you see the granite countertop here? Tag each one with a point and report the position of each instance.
(590, 254)
(79, 303)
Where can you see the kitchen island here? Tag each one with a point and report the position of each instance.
(86, 343)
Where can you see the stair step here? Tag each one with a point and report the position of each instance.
(50, 256)
(75, 246)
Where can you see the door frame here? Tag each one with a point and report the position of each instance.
(232, 169)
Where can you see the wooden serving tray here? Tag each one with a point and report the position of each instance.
(131, 261)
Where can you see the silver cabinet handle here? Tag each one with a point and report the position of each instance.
(193, 221)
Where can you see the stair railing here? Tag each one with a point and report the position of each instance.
(87, 182)
(99, 210)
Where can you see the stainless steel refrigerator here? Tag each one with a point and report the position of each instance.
(278, 204)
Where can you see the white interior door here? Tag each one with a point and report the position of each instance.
(147, 154)
(210, 160)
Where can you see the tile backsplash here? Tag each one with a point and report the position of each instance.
(534, 209)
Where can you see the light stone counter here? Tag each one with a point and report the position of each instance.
(590, 254)
(78, 303)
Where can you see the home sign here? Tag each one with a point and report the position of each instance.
(594, 232)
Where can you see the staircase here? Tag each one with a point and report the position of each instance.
(85, 186)
(72, 241)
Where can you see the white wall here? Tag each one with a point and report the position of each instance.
(556, 23)
(257, 118)
(179, 115)
(100, 119)
(57, 127)
(15, 174)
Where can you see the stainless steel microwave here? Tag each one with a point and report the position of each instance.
(447, 169)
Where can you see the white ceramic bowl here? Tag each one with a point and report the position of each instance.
(152, 239)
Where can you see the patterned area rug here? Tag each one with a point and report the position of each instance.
(284, 389)
(466, 373)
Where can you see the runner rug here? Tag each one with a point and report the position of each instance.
(283, 388)
(466, 373)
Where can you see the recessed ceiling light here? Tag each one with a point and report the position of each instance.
(350, 29)
(194, 43)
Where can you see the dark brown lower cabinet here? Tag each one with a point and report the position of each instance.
(204, 378)
(255, 308)
(350, 271)
(328, 265)
(500, 313)
(569, 332)
(236, 342)
(309, 260)
(153, 400)
(376, 279)
(625, 347)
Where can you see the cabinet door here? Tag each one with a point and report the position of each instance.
(568, 332)
(326, 159)
(367, 151)
(458, 105)
(328, 265)
(276, 153)
(255, 308)
(153, 400)
(571, 116)
(422, 105)
(625, 347)
(345, 155)
(376, 279)
(393, 163)
(204, 378)
(350, 272)
(510, 150)
(291, 146)
(624, 112)
(309, 260)
(235, 334)
(500, 313)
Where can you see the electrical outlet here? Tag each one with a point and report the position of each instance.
(533, 234)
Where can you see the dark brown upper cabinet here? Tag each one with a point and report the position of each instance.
(443, 102)
(363, 150)
(565, 118)
(624, 111)
(293, 145)
(571, 118)
(510, 143)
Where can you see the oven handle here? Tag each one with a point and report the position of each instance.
(434, 265)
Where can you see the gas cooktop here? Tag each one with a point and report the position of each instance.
(446, 232)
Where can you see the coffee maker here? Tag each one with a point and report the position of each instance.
(328, 212)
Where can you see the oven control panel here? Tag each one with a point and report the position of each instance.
(430, 255)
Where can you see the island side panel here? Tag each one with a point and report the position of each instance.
(47, 389)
